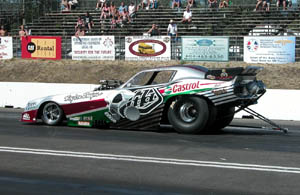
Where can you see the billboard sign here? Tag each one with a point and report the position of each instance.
(269, 50)
(6, 48)
(93, 48)
(197, 48)
(41, 47)
(148, 48)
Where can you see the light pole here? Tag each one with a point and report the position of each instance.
(23, 8)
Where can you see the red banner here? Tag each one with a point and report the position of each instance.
(41, 47)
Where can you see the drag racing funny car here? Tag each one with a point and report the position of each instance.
(191, 98)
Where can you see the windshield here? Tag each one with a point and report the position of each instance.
(151, 78)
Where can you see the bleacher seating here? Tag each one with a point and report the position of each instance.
(233, 21)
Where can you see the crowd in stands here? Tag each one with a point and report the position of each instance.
(264, 5)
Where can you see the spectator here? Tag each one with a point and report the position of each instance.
(112, 9)
(176, 3)
(153, 4)
(281, 3)
(289, 3)
(266, 5)
(105, 12)
(143, 4)
(190, 3)
(88, 21)
(187, 16)
(172, 29)
(116, 21)
(22, 32)
(154, 31)
(80, 32)
(2, 31)
(79, 23)
(122, 8)
(100, 4)
(224, 3)
(131, 11)
(64, 5)
(212, 3)
(72, 4)
(258, 4)
(125, 18)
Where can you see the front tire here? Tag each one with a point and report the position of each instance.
(52, 114)
(189, 114)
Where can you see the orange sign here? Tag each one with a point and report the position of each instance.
(40, 47)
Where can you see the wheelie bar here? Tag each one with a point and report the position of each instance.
(263, 118)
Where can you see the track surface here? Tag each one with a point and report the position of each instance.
(93, 161)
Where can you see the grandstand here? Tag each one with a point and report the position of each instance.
(235, 21)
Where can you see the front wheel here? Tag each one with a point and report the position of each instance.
(52, 114)
(189, 114)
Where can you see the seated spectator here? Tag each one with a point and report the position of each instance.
(224, 3)
(105, 12)
(143, 4)
(266, 5)
(289, 3)
(2, 31)
(153, 4)
(212, 3)
(172, 29)
(23, 32)
(112, 9)
(72, 4)
(88, 21)
(64, 5)
(258, 4)
(80, 32)
(79, 23)
(131, 11)
(100, 4)
(122, 8)
(190, 3)
(154, 31)
(176, 3)
(281, 3)
(125, 18)
(187, 16)
(116, 21)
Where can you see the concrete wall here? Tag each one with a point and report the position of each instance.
(275, 104)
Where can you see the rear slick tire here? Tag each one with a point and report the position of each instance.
(188, 114)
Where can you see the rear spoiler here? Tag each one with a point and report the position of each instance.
(252, 70)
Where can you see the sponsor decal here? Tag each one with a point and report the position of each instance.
(212, 77)
(31, 106)
(252, 45)
(75, 118)
(87, 118)
(185, 87)
(87, 95)
(26, 117)
(84, 123)
(40, 47)
(145, 100)
(219, 91)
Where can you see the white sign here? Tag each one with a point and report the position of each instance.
(270, 50)
(93, 48)
(196, 48)
(148, 48)
(6, 48)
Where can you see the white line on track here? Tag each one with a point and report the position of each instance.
(170, 161)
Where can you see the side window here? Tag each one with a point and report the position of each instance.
(164, 76)
(140, 79)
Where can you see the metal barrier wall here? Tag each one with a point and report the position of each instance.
(236, 49)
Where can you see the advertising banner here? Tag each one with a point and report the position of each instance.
(93, 48)
(270, 50)
(148, 48)
(6, 48)
(41, 47)
(196, 48)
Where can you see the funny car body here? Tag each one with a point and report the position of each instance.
(191, 98)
